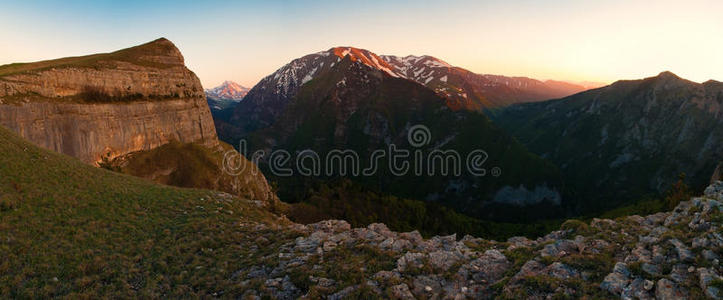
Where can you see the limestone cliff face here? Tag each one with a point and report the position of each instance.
(106, 105)
(91, 132)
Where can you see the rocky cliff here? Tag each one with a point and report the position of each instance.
(105, 105)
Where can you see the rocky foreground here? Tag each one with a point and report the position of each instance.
(669, 255)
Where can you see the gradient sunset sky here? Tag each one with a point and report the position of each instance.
(600, 41)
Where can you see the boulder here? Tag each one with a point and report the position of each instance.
(411, 260)
(637, 289)
(667, 290)
(705, 279)
(616, 281)
(715, 191)
(684, 254)
(401, 291)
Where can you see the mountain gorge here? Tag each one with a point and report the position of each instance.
(630, 139)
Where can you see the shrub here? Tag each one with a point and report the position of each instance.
(577, 226)
(94, 94)
(717, 283)
(636, 268)
(7, 202)
(677, 193)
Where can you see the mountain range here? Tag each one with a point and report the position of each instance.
(464, 89)
(459, 88)
(627, 140)
(349, 98)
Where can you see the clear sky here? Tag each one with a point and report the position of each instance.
(573, 40)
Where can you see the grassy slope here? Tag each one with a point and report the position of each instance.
(70, 229)
(131, 55)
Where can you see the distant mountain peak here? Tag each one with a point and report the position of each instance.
(667, 79)
(228, 90)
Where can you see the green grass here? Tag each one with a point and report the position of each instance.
(68, 229)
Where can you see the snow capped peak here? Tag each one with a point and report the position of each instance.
(231, 85)
(228, 90)
(342, 51)
(287, 79)
(366, 57)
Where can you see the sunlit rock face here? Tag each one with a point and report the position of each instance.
(105, 105)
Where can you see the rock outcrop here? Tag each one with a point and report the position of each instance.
(105, 105)
(668, 255)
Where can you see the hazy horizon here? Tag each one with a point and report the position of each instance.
(572, 41)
